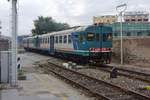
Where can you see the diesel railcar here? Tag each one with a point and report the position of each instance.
(82, 44)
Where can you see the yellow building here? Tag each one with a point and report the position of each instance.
(108, 19)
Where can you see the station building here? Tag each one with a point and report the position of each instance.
(108, 19)
(4, 43)
(131, 29)
(136, 16)
(135, 24)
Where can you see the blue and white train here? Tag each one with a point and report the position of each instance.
(83, 44)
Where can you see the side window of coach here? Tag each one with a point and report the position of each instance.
(65, 39)
(69, 38)
(56, 39)
(90, 36)
(60, 39)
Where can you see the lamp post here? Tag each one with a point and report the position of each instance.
(121, 9)
(13, 69)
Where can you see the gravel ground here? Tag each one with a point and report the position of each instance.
(121, 81)
(132, 67)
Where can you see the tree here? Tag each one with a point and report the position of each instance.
(44, 25)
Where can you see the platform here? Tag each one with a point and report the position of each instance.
(39, 86)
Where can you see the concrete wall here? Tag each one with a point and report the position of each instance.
(136, 51)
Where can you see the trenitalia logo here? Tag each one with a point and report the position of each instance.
(100, 49)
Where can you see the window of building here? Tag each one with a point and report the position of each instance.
(116, 34)
(139, 33)
(69, 38)
(90, 36)
(139, 20)
(65, 39)
(60, 39)
(145, 19)
(127, 20)
(133, 20)
(128, 34)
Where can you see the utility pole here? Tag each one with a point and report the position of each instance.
(13, 69)
(121, 9)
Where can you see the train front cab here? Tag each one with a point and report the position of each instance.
(100, 47)
(94, 43)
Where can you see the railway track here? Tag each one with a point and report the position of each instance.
(127, 73)
(98, 88)
(124, 72)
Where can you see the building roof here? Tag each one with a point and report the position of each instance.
(2, 37)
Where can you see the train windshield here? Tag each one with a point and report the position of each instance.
(90, 36)
(107, 37)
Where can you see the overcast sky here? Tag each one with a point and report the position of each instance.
(73, 12)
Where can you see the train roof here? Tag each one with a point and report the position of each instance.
(74, 29)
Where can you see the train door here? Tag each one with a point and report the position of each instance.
(75, 38)
(51, 44)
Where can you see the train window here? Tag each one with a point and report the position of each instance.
(56, 39)
(97, 36)
(69, 38)
(60, 39)
(42, 40)
(81, 37)
(104, 37)
(109, 37)
(45, 40)
(65, 39)
(48, 40)
(90, 36)
(76, 36)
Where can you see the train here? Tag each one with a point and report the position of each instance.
(84, 44)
